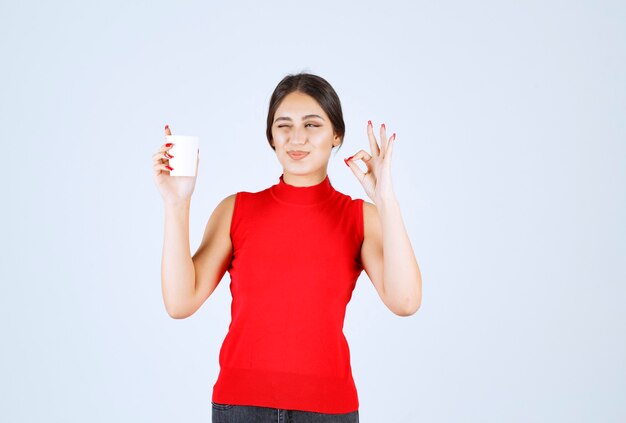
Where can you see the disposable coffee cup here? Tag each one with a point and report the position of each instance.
(185, 152)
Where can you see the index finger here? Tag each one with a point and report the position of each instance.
(370, 135)
(167, 130)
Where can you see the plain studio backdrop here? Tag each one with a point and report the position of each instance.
(509, 167)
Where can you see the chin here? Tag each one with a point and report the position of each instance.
(298, 170)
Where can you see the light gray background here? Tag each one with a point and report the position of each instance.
(509, 167)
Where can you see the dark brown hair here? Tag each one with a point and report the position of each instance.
(318, 88)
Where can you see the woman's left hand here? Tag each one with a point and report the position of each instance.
(377, 180)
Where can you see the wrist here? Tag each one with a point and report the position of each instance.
(177, 205)
(387, 198)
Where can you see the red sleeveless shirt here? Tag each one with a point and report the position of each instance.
(296, 260)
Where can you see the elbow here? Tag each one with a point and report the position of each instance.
(409, 311)
(409, 303)
(178, 307)
(406, 312)
(411, 306)
(177, 316)
(176, 313)
(413, 303)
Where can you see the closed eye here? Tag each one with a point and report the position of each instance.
(282, 126)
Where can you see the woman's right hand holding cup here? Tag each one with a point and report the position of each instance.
(173, 189)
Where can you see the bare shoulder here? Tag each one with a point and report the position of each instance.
(228, 202)
(220, 219)
(371, 219)
(226, 207)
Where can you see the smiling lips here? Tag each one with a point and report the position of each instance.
(297, 155)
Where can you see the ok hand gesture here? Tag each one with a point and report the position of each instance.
(377, 180)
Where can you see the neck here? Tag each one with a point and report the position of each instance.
(304, 180)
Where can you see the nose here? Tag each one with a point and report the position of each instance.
(298, 137)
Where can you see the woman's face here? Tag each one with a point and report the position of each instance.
(300, 125)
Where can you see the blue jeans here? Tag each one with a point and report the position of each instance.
(226, 413)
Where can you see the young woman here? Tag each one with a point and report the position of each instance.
(294, 252)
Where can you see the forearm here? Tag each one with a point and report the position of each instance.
(402, 277)
(178, 277)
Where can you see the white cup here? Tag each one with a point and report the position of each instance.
(185, 152)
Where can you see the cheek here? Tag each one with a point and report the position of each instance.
(279, 136)
(327, 137)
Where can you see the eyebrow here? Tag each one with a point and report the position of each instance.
(303, 117)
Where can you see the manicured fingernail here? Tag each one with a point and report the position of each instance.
(394, 135)
(383, 125)
(169, 144)
(369, 122)
(167, 126)
(170, 168)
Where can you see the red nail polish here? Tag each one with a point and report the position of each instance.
(369, 122)
(167, 126)
(169, 144)
(170, 168)
(383, 125)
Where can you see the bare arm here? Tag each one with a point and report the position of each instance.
(214, 254)
(386, 252)
(189, 281)
(388, 258)
(177, 269)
